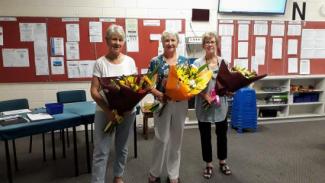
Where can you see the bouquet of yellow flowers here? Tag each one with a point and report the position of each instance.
(231, 81)
(123, 94)
(185, 81)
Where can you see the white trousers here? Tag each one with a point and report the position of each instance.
(102, 145)
(169, 129)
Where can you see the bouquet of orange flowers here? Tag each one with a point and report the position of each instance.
(123, 94)
(231, 81)
(185, 81)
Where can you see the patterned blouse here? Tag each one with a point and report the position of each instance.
(163, 69)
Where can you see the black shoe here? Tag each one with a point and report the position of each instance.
(157, 180)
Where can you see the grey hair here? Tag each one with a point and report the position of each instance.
(115, 30)
(165, 34)
(209, 35)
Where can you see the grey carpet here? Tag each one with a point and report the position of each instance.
(276, 153)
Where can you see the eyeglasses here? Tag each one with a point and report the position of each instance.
(210, 42)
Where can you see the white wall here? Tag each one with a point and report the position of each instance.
(40, 93)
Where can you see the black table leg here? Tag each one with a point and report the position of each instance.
(15, 154)
(63, 144)
(53, 145)
(135, 139)
(75, 151)
(44, 152)
(9, 173)
(87, 148)
(30, 143)
(92, 132)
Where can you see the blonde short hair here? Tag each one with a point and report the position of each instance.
(209, 35)
(115, 30)
(165, 34)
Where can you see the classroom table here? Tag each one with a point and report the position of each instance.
(74, 114)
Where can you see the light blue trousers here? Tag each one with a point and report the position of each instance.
(103, 143)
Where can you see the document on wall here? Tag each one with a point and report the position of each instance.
(57, 65)
(95, 32)
(132, 35)
(226, 48)
(241, 63)
(277, 29)
(254, 64)
(292, 65)
(153, 23)
(226, 30)
(57, 46)
(277, 48)
(15, 57)
(313, 43)
(304, 66)
(292, 46)
(41, 57)
(260, 43)
(72, 50)
(260, 28)
(73, 32)
(181, 48)
(86, 68)
(1, 36)
(39, 31)
(26, 32)
(242, 49)
(174, 25)
(243, 30)
(294, 29)
(73, 69)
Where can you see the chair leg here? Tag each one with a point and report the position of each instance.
(44, 152)
(63, 144)
(53, 145)
(15, 154)
(68, 139)
(135, 139)
(30, 143)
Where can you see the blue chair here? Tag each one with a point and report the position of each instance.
(15, 104)
(71, 96)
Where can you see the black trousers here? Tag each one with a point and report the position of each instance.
(206, 146)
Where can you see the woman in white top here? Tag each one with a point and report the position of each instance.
(114, 63)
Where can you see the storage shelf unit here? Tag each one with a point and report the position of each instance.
(291, 110)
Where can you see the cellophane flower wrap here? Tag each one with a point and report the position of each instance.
(123, 94)
(185, 81)
(231, 81)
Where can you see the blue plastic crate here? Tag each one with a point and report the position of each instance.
(54, 108)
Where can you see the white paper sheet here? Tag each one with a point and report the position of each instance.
(241, 63)
(226, 48)
(260, 29)
(86, 68)
(313, 43)
(242, 49)
(153, 23)
(1, 36)
(226, 29)
(26, 32)
(292, 46)
(57, 65)
(41, 57)
(174, 25)
(72, 50)
(39, 116)
(304, 66)
(132, 35)
(277, 48)
(95, 32)
(57, 46)
(292, 65)
(39, 31)
(254, 64)
(260, 43)
(155, 37)
(277, 29)
(294, 29)
(73, 69)
(15, 57)
(72, 32)
(243, 30)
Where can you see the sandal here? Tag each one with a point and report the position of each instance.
(224, 168)
(207, 173)
(178, 180)
(157, 179)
